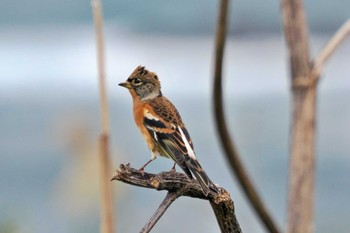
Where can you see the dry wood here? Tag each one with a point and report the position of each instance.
(302, 149)
(305, 77)
(168, 200)
(177, 184)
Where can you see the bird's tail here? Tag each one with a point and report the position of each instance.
(201, 176)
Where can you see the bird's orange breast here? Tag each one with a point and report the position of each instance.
(138, 109)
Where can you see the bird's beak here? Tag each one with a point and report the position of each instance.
(125, 84)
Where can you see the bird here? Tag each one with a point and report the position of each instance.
(162, 127)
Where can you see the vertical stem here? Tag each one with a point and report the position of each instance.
(107, 204)
(302, 151)
(301, 176)
(100, 51)
(107, 216)
(296, 35)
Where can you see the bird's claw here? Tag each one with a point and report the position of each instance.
(142, 171)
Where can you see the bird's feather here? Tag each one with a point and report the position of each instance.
(173, 140)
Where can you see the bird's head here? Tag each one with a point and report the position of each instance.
(143, 84)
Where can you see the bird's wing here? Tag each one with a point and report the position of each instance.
(164, 124)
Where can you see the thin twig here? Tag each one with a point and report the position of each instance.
(330, 47)
(226, 140)
(168, 200)
(180, 185)
(107, 216)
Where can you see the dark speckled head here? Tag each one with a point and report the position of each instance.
(143, 83)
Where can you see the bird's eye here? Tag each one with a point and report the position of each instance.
(137, 82)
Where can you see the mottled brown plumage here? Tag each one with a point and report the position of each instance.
(161, 125)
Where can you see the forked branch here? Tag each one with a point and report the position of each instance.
(305, 75)
(177, 184)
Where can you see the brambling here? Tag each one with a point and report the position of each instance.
(161, 125)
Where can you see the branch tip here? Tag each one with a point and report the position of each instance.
(113, 177)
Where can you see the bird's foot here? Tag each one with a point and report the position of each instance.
(142, 171)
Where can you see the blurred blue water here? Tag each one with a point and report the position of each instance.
(48, 78)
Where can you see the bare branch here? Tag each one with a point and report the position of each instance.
(225, 138)
(169, 181)
(168, 200)
(179, 185)
(330, 48)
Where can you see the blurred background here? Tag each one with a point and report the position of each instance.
(49, 112)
